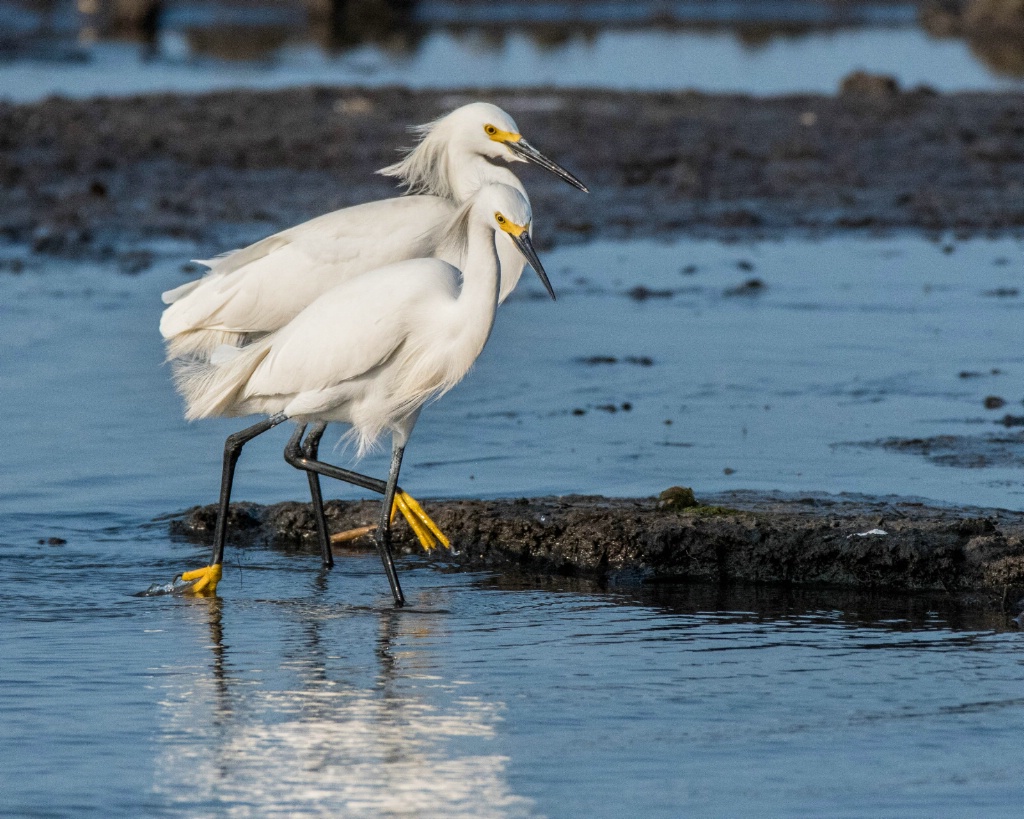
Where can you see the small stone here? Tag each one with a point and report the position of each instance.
(994, 402)
(353, 106)
(863, 84)
(750, 287)
(641, 293)
(677, 497)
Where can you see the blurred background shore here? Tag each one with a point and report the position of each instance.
(260, 29)
(707, 45)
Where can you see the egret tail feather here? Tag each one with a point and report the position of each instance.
(197, 344)
(210, 389)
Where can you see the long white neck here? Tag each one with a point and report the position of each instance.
(469, 173)
(474, 173)
(481, 277)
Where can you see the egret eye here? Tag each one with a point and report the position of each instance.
(490, 130)
(499, 218)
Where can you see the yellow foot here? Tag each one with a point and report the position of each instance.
(206, 579)
(419, 521)
(428, 533)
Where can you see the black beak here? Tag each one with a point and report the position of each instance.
(525, 150)
(525, 245)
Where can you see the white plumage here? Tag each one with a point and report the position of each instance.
(372, 350)
(260, 288)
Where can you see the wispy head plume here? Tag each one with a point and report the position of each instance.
(425, 168)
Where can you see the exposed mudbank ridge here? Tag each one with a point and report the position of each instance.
(94, 176)
(738, 537)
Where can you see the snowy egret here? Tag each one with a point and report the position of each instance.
(260, 288)
(370, 352)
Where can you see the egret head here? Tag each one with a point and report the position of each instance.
(508, 212)
(475, 130)
(495, 135)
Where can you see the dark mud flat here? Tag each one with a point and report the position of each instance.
(965, 451)
(738, 537)
(94, 176)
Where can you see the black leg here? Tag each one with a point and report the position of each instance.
(294, 455)
(383, 534)
(310, 448)
(232, 449)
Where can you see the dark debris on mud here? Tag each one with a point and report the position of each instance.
(977, 554)
(89, 176)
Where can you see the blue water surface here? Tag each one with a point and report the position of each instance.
(303, 694)
(299, 693)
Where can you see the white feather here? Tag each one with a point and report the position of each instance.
(260, 288)
(372, 350)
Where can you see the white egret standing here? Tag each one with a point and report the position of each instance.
(369, 352)
(259, 289)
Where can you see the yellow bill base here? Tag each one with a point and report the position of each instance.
(206, 579)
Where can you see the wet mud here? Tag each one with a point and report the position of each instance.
(105, 177)
(845, 542)
(965, 451)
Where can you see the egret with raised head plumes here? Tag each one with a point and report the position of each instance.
(260, 288)
(256, 290)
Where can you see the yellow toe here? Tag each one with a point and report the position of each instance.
(206, 579)
(428, 532)
(425, 538)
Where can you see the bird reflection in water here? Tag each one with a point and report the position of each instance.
(309, 714)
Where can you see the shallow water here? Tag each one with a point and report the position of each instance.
(302, 694)
(847, 342)
(205, 48)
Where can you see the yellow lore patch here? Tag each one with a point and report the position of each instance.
(509, 226)
(496, 134)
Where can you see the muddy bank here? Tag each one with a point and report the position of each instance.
(965, 451)
(98, 176)
(737, 537)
